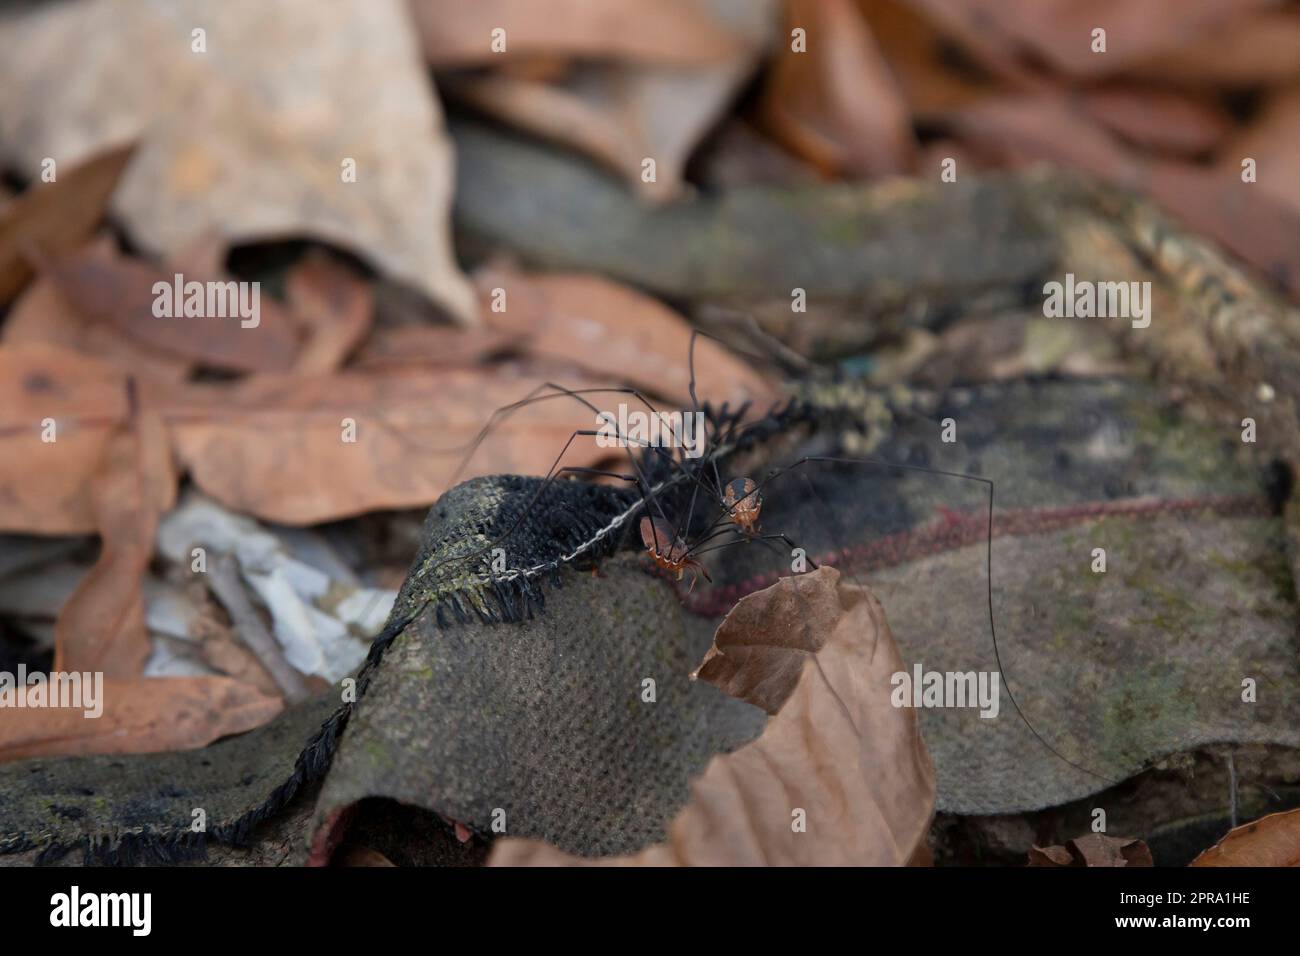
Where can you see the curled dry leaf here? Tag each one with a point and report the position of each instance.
(456, 34)
(614, 331)
(108, 287)
(56, 217)
(836, 103)
(1255, 50)
(1093, 849)
(836, 754)
(1173, 123)
(47, 392)
(435, 346)
(141, 715)
(232, 139)
(102, 625)
(623, 114)
(43, 316)
(1273, 840)
(1059, 32)
(305, 450)
(336, 306)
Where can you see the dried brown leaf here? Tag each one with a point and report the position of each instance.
(45, 485)
(117, 290)
(837, 749)
(1161, 121)
(622, 114)
(837, 104)
(1261, 49)
(277, 448)
(455, 34)
(141, 715)
(612, 330)
(43, 316)
(102, 625)
(1093, 849)
(337, 307)
(1059, 32)
(1273, 840)
(233, 140)
(432, 346)
(56, 217)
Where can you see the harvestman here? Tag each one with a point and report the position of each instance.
(738, 501)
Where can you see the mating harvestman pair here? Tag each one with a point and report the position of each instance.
(739, 500)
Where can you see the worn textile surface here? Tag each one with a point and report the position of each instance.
(1113, 669)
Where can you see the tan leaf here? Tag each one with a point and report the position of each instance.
(455, 34)
(1273, 141)
(435, 346)
(42, 315)
(612, 330)
(837, 104)
(1261, 49)
(1059, 32)
(140, 715)
(1093, 849)
(837, 749)
(233, 141)
(622, 114)
(102, 626)
(1156, 120)
(56, 217)
(1273, 840)
(337, 307)
(275, 448)
(45, 485)
(117, 290)
(758, 657)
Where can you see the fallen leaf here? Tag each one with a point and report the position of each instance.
(56, 217)
(1059, 32)
(141, 715)
(612, 330)
(931, 79)
(279, 449)
(1162, 121)
(1260, 49)
(431, 346)
(1246, 219)
(337, 307)
(117, 290)
(680, 32)
(43, 316)
(623, 114)
(836, 103)
(47, 392)
(1093, 849)
(102, 625)
(836, 749)
(758, 657)
(108, 287)
(1273, 840)
(1022, 129)
(233, 141)
(1273, 142)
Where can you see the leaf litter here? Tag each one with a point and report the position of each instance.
(253, 417)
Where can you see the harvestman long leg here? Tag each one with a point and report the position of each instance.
(988, 557)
